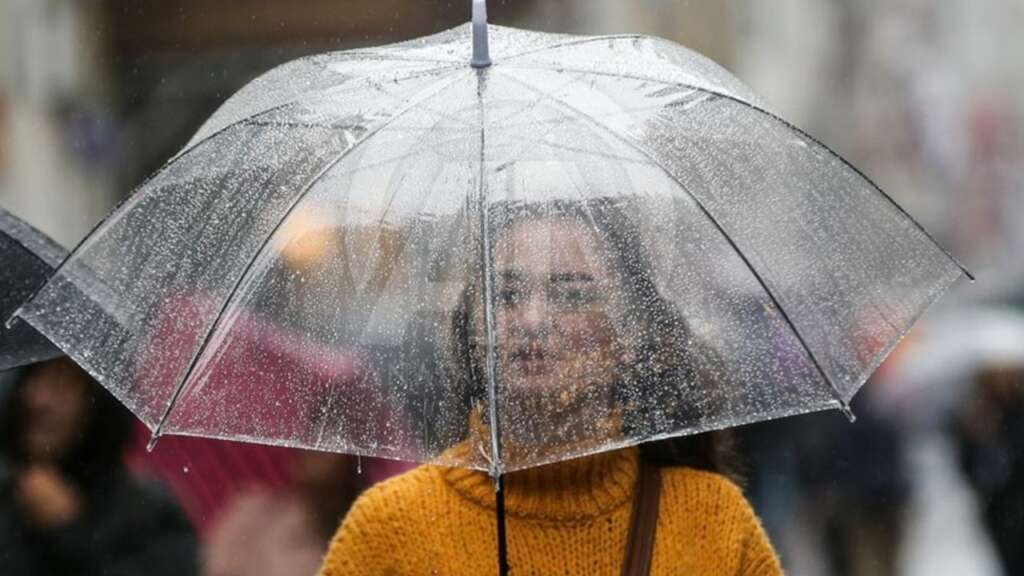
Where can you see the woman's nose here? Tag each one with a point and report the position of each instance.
(532, 314)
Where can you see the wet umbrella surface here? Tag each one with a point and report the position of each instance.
(594, 241)
(27, 258)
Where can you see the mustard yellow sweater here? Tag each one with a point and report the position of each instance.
(566, 518)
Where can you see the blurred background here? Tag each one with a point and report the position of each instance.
(925, 97)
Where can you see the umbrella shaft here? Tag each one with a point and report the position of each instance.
(499, 501)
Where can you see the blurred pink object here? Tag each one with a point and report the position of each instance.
(206, 475)
(265, 535)
(262, 359)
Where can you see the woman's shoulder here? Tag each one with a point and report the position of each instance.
(711, 508)
(701, 491)
(391, 497)
(385, 524)
(695, 478)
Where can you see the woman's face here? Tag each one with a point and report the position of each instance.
(557, 301)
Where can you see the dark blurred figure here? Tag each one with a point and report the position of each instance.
(857, 486)
(67, 504)
(266, 533)
(989, 431)
(848, 484)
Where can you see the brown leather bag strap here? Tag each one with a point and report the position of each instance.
(644, 521)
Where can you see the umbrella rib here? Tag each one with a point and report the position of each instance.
(435, 87)
(574, 42)
(787, 124)
(844, 405)
(357, 53)
(289, 102)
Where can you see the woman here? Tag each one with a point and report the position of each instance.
(588, 355)
(67, 505)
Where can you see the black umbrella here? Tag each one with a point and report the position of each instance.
(29, 257)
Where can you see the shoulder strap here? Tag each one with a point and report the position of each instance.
(643, 522)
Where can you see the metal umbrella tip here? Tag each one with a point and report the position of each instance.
(481, 52)
(848, 412)
(9, 323)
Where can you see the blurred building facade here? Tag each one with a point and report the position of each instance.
(56, 154)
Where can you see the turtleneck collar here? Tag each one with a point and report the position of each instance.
(573, 490)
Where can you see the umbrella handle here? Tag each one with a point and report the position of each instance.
(481, 52)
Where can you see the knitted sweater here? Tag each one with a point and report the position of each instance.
(565, 518)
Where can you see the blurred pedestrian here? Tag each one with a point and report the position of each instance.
(67, 504)
(834, 494)
(856, 487)
(989, 430)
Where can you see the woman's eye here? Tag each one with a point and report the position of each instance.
(573, 296)
(509, 297)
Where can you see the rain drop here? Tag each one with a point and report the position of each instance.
(359, 465)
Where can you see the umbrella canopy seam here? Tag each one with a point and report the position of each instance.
(261, 113)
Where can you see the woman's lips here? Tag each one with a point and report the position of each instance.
(532, 359)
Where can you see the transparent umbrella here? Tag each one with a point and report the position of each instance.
(554, 247)
(28, 258)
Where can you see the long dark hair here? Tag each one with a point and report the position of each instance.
(669, 361)
(97, 451)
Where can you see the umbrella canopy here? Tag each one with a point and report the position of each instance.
(28, 257)
(572, 245)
